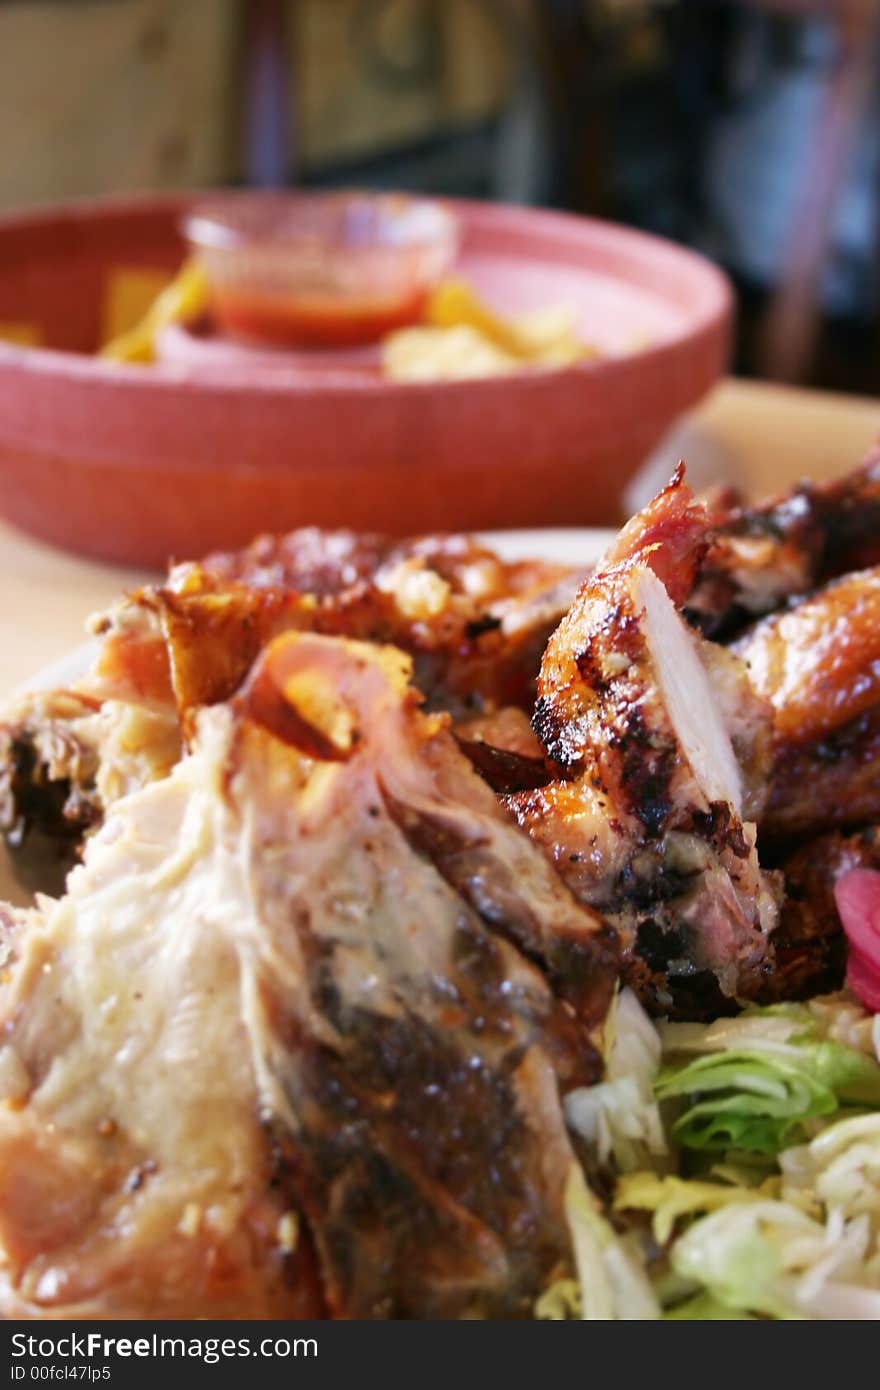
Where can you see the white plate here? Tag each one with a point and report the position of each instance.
(575, 546)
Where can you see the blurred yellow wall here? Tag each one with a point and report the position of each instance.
(110, 95)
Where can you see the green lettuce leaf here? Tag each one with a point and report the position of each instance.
(759, 1099)
(704, 1308)
(745, 1254)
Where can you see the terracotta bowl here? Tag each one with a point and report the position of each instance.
(141, 463)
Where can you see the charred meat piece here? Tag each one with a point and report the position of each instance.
(64, 758)
(472, 653)
(646, 822)
(65, 755)
(365, 990)
(505, 750)
(762, 556)
(809, 942)
(833, 782)
(48, 798)
(818, 664)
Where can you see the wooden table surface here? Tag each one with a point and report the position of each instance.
(770, 435)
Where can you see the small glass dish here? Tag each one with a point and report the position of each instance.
(323, 269)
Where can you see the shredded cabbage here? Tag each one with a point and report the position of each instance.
(771, 1258)
(671, 1198)
(612, 1282)
(703, 1307)
(804, 1244)
(786, 1222)
(761, 1079)
(839, 1170)
(620, 1116)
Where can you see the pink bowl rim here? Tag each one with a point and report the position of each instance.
(714, 314)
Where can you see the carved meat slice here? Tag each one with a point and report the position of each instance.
(316, 974)
(646, 821)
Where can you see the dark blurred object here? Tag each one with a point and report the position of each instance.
(791, 330)
(749, 130)
(269, 156)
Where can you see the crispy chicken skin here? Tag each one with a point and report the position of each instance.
(367, 991)
(831, 783)
(818, 663)
(475, 626)
(329, 563)
(646, 819)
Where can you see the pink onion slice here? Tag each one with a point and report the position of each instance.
(857, 894)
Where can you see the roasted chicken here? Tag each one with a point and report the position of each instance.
(366, 990)
(646, 819)
(370, 833)
(760, 557)
(818, 663)
(475, 626)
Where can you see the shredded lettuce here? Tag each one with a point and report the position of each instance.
(760, 1080)
(739, 1254)
(704, 1308)
(611, 1274)
(560, 1303)
(839, 1170)
(671, 1198)
(772, 1258)
(783, 1104)
(805, 1243)
(620, 1116)
(827, 1018)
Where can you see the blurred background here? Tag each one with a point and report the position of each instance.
(745, 128)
